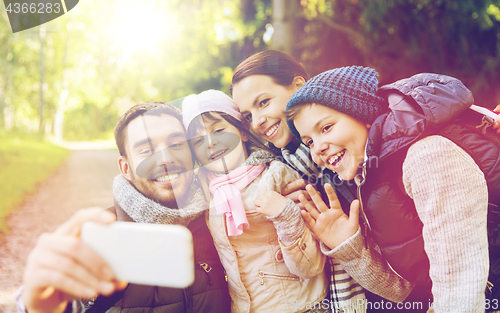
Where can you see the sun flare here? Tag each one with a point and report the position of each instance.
(142, 26)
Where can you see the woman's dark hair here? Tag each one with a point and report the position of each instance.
(281, 67)
(197, 126)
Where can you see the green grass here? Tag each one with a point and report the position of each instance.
(25, 160)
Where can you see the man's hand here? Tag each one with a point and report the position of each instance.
(331, 225)
(294, 189)
(270, 203)
(496, 124)
(61, 268)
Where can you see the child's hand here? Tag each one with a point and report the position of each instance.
(270, 203)
(331, 225)
(496, 125)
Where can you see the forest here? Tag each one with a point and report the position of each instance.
(71, 78)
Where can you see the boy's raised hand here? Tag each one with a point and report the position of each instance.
(330, 224)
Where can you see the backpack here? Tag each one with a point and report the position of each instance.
(480, 121)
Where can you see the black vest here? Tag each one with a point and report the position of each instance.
(395, 225)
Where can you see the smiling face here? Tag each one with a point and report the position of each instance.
(337, 141)
(158, 160)
(219, 146)
(262, 102)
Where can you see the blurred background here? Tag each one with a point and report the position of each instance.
(72, 77)
(68, 81)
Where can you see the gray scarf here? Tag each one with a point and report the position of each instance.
(144, 210)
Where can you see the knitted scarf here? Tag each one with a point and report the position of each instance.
(344, 291)
(301, 161)
(144, 210)
(227, 197)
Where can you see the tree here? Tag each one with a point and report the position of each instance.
(284, 22)
(403, 37)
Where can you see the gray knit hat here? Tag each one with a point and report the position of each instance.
(351, 90)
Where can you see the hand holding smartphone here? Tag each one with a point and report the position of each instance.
(147, 254)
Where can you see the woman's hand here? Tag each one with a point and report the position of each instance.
(330, 224)
(496, 124)
(294, 189)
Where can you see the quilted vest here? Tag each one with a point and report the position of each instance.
(390, 213)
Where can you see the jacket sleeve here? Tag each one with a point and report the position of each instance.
(368, 268)
(451, 198)
(301, 251)
(72, 307)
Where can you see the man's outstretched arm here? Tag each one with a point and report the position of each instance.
(61, 268)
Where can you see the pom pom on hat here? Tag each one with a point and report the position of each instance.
(351, 90)
(208, 101)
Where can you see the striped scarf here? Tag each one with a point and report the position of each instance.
(345, 292)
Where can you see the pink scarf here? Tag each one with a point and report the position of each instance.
(227, 197)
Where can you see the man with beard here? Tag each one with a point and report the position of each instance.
(156, 186)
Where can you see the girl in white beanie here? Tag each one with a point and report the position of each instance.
(272, 261)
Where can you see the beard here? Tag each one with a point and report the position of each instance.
(169, 196)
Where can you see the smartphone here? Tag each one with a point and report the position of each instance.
(146, 254)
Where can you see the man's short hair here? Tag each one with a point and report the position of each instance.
(148, 108)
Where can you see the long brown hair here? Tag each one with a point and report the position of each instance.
(281, 67)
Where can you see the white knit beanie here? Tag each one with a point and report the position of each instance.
(208, 101)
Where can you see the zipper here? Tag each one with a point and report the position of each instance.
(263, 275)
(393, 270)
(359, 179)
(207, 268)
(489, 288)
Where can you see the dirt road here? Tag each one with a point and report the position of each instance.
(83, 180)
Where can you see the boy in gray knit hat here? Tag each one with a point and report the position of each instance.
(423, 199)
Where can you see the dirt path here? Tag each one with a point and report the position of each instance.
(83, 180)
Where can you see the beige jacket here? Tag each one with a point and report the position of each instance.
(264, 274)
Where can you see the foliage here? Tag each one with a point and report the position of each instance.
(403, 37)
(99, 62)
(26, 160)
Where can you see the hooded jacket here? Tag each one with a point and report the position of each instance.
(420, 106)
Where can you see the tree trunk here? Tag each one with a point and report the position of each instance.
(2, 107)
(284, 17)
(41, 126)
(63, 96)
